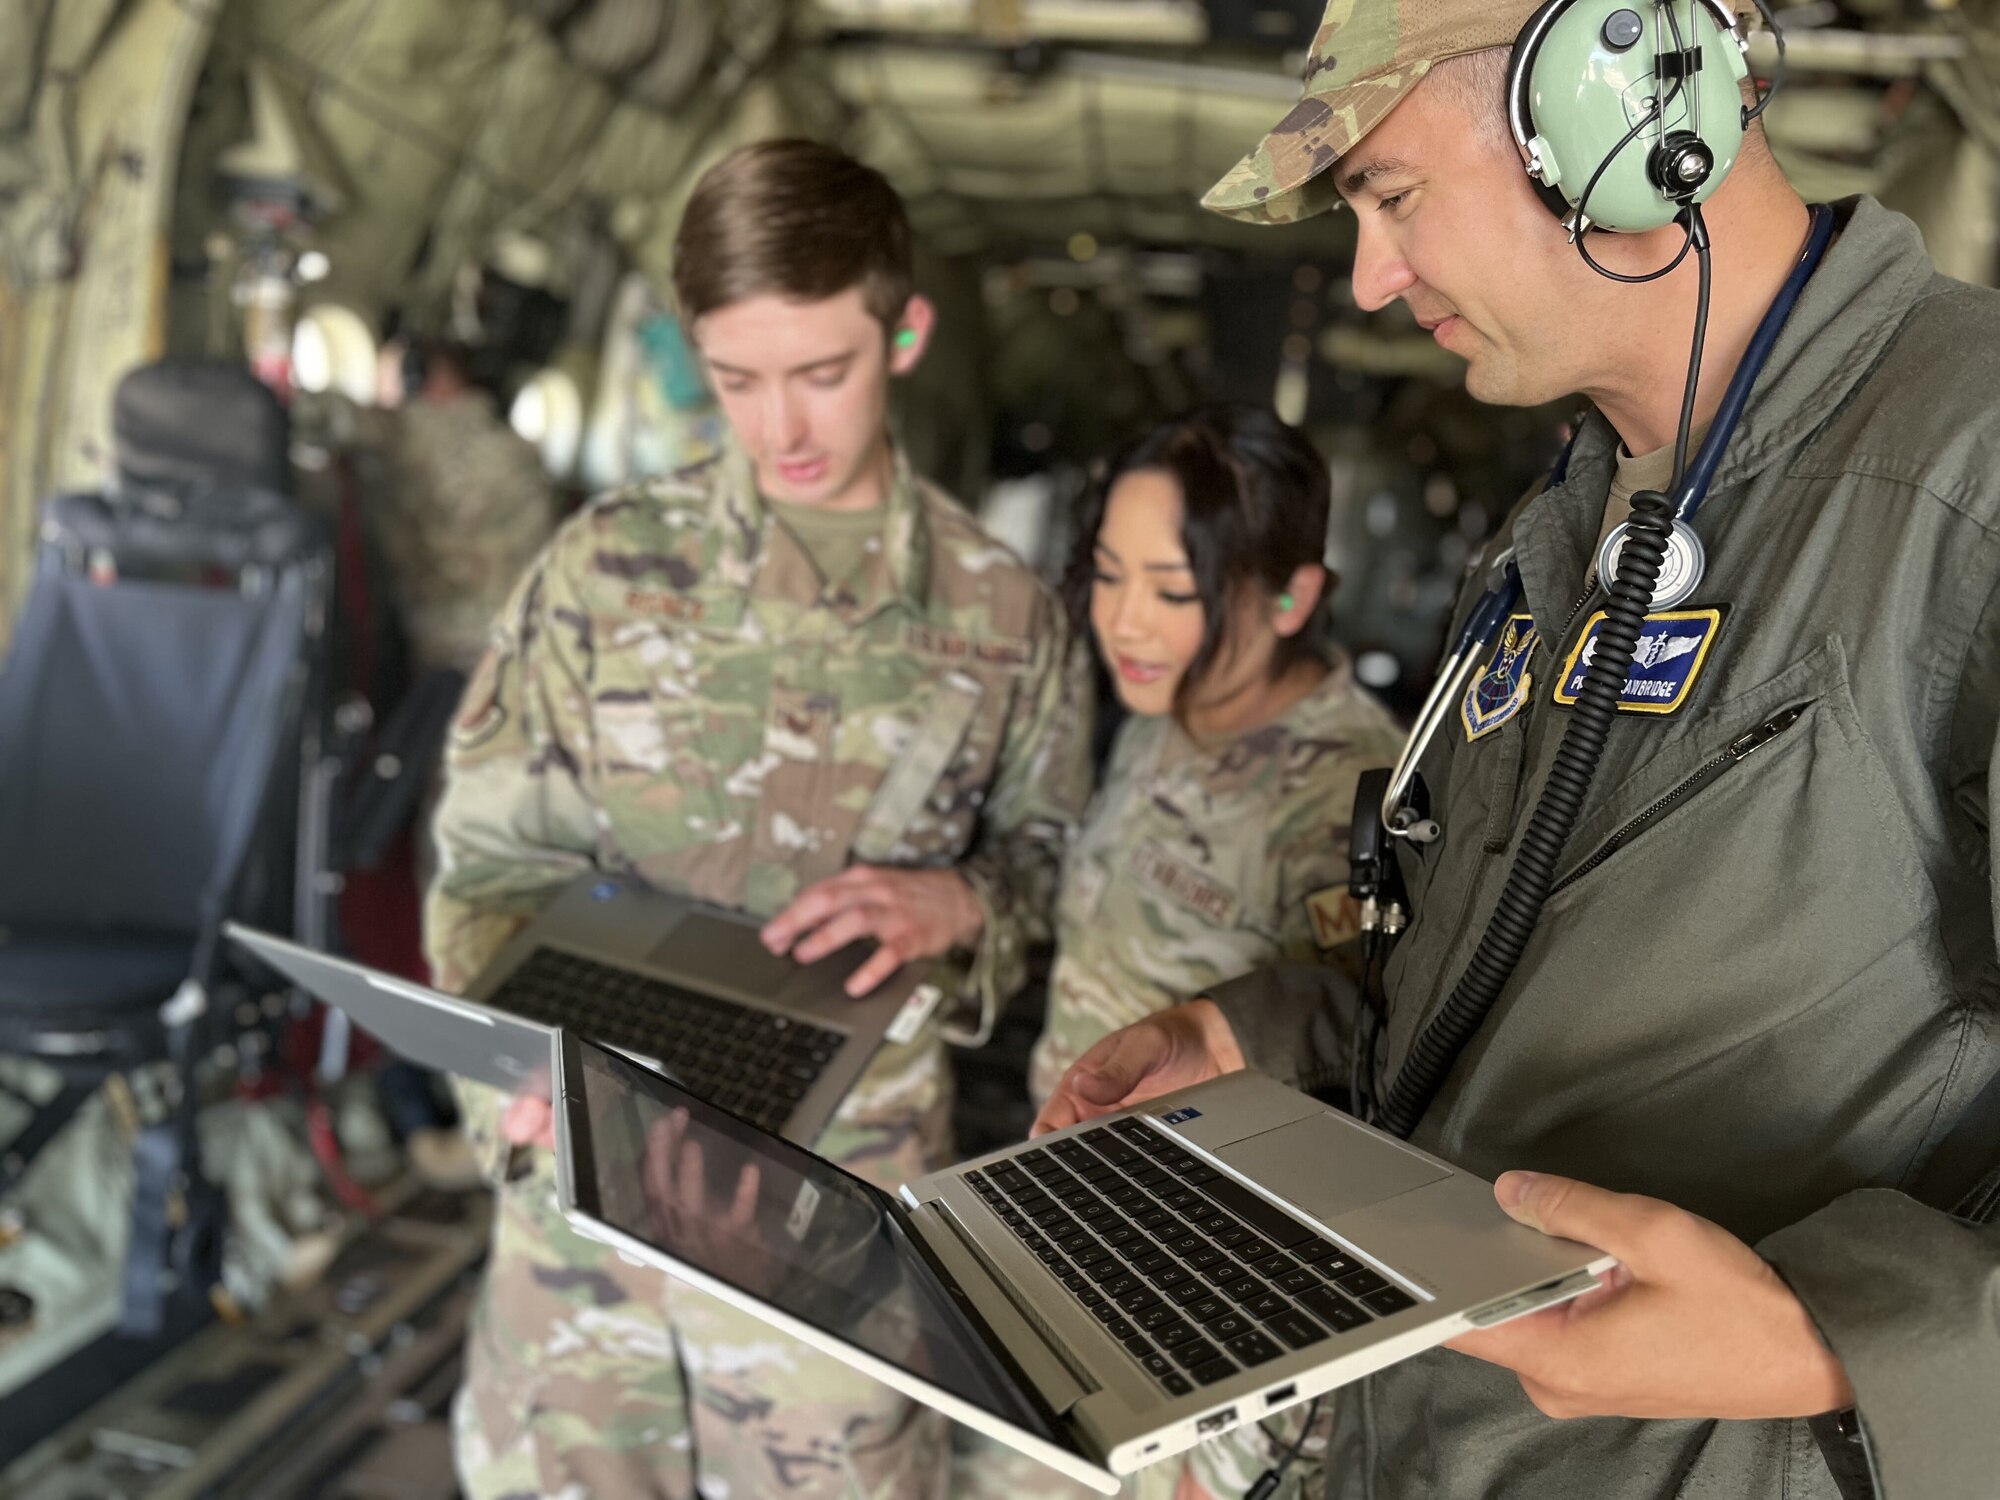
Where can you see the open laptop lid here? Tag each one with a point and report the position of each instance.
(790, 1238)
(439, 1031)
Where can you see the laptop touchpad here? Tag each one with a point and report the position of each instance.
(718, 949)
(1327, 1165)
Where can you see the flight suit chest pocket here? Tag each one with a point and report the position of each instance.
(1471, 789)
(1781, 776)
(911, 819)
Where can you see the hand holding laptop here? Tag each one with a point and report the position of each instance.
(1628, 1349)
(1101, 1300)
(1692, 1323)
(910, 914)
(529, 1121)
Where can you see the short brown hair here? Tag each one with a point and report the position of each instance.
(798, 219)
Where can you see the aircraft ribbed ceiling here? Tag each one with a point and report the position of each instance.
(987, 147)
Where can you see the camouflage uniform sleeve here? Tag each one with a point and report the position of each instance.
(1308, 861)
(1308, 845)
(515, 822)
(1037, 801)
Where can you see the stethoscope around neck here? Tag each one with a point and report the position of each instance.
(1680, 574)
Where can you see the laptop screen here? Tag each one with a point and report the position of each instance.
(783, 1226)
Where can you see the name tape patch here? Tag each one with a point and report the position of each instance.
(667, 606)
(1186, 886)
(956, 645)
(1673, 648)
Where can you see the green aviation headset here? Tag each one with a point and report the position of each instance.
(1591, 78)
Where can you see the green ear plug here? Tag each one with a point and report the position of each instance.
(1284, 601)
(906, 338)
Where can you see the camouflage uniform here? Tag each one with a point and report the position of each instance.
(1364, 60)
(1198, 866)
(675, 691)
(469, 507)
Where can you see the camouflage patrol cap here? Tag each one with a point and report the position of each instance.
(1365, 57)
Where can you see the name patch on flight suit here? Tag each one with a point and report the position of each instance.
(1673, 648)
(1497, 693)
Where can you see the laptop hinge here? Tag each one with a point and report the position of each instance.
(1026, 1336)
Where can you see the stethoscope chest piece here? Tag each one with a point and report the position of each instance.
(1680, 571)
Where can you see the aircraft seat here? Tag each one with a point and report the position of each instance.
(153, 710)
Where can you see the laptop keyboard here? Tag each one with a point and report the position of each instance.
(752, 1062)
(1194, 1273)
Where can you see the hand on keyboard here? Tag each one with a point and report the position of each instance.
(1172, 1049)
(911, 914)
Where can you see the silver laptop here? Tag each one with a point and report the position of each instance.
(689, 989)
(1101, 1298)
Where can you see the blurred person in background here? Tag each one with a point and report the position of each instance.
(468, 506)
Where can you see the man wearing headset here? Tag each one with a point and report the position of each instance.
(1754, 1008)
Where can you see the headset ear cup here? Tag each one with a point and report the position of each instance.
(1599, 62)
(1521, 99)
(1553, 198)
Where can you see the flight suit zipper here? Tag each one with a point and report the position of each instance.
(1589, 590)
(1737, 751)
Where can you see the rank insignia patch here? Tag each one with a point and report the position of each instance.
(1497, 693)
(1673, 648)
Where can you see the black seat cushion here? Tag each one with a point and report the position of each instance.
(60, 976)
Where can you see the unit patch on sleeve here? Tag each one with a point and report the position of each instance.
(1336, 915)
(1673, 648)
(1498, 692)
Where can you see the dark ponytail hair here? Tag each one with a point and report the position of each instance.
(1254, 501)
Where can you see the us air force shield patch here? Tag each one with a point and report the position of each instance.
(1497, 693)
